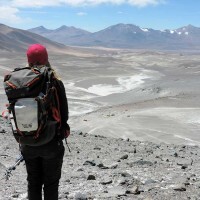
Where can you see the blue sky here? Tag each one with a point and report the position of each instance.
(94, 15)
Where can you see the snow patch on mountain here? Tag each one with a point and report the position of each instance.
(144, 29)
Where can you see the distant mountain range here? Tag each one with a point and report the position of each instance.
(61, 35)
(14, 40)
(126, 36)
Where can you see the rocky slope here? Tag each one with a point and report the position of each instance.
(108, 168)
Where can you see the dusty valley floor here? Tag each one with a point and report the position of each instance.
(150, 98)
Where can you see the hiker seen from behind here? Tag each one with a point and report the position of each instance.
(38, 110)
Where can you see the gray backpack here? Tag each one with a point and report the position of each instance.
(33, 104)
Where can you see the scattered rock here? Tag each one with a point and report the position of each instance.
(175, 154)
(88, 162)
(15, 195)
(133, 190)
(80, 169)
(111, 115)
(106, 182)
(97, 148)
(185, 163)
(79, 132)
(102, 166)
(125, 174)
(117, 191)
(113, 166)
(91, 177)
(149, 181)
(2, 130)
(124, 157)
(85, 134)
(179, 187)
(122, 181)
(143, 162)
(184, 166)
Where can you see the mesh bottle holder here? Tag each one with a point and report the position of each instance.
(26, 113)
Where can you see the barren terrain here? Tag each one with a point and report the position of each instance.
(150, 98)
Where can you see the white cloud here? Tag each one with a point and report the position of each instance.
(142, 3)
(43, 3)
(34, 3)
(9, 15)
(81, 13)
(10, 9)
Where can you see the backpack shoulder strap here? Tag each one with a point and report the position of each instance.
(21, 68)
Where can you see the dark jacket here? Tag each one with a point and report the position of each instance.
(63, 131)
(63, 103)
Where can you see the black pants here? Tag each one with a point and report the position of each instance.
(43, 166)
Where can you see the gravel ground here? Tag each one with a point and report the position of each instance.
(108, 168)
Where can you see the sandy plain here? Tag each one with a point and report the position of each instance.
(146, 96)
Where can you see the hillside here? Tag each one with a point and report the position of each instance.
(15, 40)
